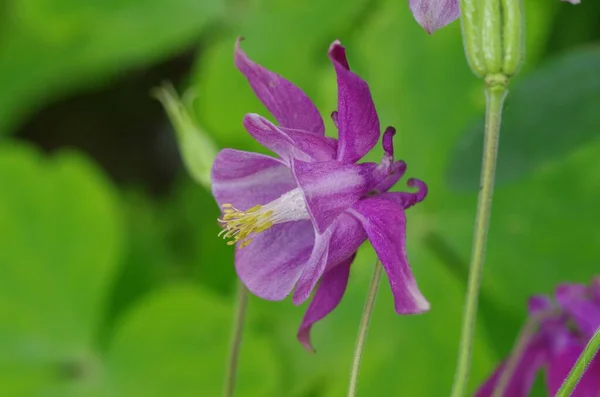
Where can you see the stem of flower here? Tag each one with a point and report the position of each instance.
(495, 94)
(580, 366)
(364, 327)
(527, 334)
(236, 339)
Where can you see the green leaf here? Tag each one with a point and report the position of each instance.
(60, 243)
(175, 344)
(49, 47)
(550, 113)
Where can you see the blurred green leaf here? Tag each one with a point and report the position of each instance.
(548, 114)
(48, 47)
(60, 242)
(174, 344)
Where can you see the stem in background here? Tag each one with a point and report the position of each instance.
(236, 339)
(364, 327)
(580, 366)
(527, 334)
(495, 94)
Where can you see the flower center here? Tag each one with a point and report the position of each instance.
(241, 226)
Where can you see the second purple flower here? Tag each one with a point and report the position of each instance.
(299, 218)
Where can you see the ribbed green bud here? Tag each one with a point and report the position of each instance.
(493, 36)
(197, 150)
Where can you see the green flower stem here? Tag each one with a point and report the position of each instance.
(236, 339)
(364, 327)
(495, 94)
(580, 366)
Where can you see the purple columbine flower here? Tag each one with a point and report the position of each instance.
(300, 217)
(566, 325)
(435, 14)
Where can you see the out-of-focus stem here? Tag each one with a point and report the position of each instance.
(236, 339)
(363, 328)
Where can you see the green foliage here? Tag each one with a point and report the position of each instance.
(106, 291)
(569, 86)
(52, 46)
(60, 247)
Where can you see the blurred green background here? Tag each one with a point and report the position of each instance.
(112, 279)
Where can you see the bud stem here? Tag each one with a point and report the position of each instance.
(236, 339)
(495, 95)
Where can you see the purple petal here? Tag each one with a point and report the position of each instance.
(331, 187)
(532, 359)
(396, 172)
(348, 234)
(434, 14)
(385, 224)
(357, 120)
(577, 301)
(313, 269)
(328, 296)
(538, 304)
(286, 102)
(560, 366)
(245, 179)
(272, 263)
(340, 241)
(289, 143)
(407, 199)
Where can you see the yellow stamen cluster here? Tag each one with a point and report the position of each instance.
(241, 226)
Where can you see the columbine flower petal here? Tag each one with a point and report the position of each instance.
(289, 143)
(273, 262)
(533, 357)
(331, 187)
(328, 296)
(408, 199)
(287, 103)
(356, 119)
(434, 14)
(245, 179)
(314, 268)
(385, 224)
(576, 301)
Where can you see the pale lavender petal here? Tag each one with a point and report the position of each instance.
(534, 356)
(434, 14)
(245, 179)
(287, 103)
(385, 224)
(577, 301)
(560, 365)
(272, 263)
(314, 267)
(356, 119)
(289, 143)
(328, 296)
(538, 304)
(408, 199)
(331, 187)
(573, 1)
